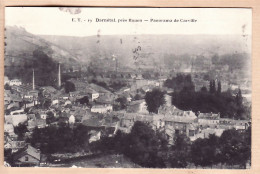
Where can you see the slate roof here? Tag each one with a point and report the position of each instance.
(93, 122)
(179, 119)
(28, 150)
(98, 88)
(209, 115)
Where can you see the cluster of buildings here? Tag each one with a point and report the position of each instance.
(45, 106)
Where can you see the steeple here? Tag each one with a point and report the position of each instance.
(59, 77)
(33, 82)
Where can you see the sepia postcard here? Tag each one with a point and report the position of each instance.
(96, 87)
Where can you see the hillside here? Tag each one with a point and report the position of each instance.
(153, 47)
(25, 51)
(21, 44)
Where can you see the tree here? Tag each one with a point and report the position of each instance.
(62, 139)
(204, 89)
(69, 87)
(241, 110)
(81, 136)
(7, 87)
(146, 75)
(180, 82)
(215, 59)
(181, 142)
(20, 130)
(142, 146)
(219, 87)
(201, 153)
(239, 98)
(45, 68)
(137, 97)
(122, 102)
(50, 117)
(180, 156)
(84, 100)
(179, 159)
(212, 87)
(154, 100)
(206, 152)
(234, 148)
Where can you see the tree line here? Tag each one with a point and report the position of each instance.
(61, 139)
(213, 100)
(149, 148)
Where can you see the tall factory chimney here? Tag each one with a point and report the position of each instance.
(59, 77)
(33, 82)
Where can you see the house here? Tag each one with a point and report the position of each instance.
(15, 82)
(101, 108)
(48, 90)
(146, 88)
(242, 124)
(93, 122)
(79, 84)
(227, 123)
(79, 113)
(31, 124)
(32, 94)
(72, 119)
(105, 98)
(94, 135)
(127, 120)
(54, 102)
(125, 89)
(12, 105)
(9, 128)
(98, 88)
(168, 100)
(64, 96)
(172, 110)
(111, 124)
(208, 119)
(17, 145)
(41, 123)
(181, 125)
(17, 112)
(15, 119)
(74, 94)
(205, 133)
(138, 106)
(7, 145)
(67, 102)
(128, 97)
(27, 156)
(92, 94)
(6, 80)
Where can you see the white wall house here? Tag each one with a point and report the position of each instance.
(72, 119)
(101, 108)
(94, 96)
(15, 82)
(54, 102)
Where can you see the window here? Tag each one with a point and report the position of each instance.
(26, 158)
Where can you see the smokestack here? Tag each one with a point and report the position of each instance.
(33, 83)
(59, 78)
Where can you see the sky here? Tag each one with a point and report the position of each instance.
(54, 21)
